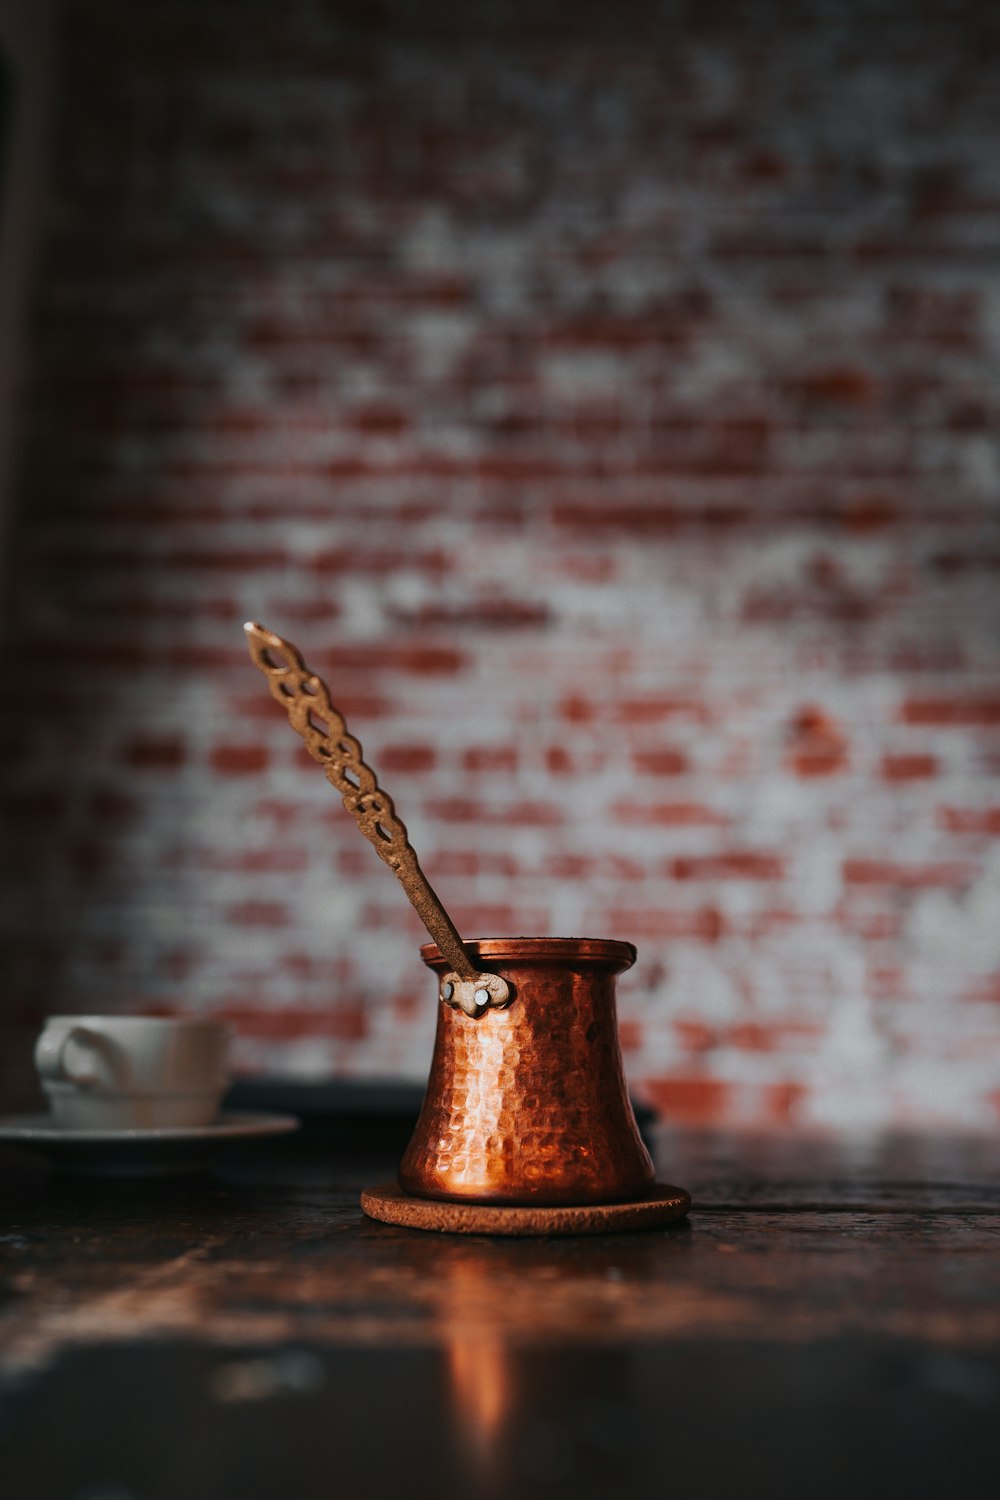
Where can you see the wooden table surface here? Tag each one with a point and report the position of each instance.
(829, 1317)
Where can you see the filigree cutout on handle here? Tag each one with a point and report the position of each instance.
(305, 698)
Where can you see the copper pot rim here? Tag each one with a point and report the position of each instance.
(540, 950)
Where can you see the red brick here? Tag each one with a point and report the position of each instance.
(424, 661)
(817, 746)
(587, 568)
(670, 814)
(762, 924)
(338, 971)
(839, 384)
(559, 761)
(623, 867)
(353, 860)
(870, 513)
(379, 419)
(480, 614)
(512, 467)
(780, 1102)
(468, 863)
(631, 1034)
(871, 926)
(380, 562)
(414, 660)
(909, 767)
(490, 758)
(703, 924)
(771, 1036)
(688, 1101)
(653, 710)
(407, 759)
(663, 762)
(304, 611)
(886, 982)
(398, 917)
(948, 875)
(737, 864)
(694, 1036)
(985, 990)
(823, 762)
(453, 863)
(423, 289)
(571, 867)
(577, 709)
(659, 520)
(601, 331)
(982, 820)
(239, 760)
(409, 1008)
(514, 814)
(965, 712)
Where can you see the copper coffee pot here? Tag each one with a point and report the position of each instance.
(526, 1126)
(528, 1104)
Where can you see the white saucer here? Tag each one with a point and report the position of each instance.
(138, 1153)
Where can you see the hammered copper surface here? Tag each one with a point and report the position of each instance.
(528, 1104)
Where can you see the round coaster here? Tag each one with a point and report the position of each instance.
(390, 1204)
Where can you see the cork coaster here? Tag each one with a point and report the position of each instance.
(390, 1204)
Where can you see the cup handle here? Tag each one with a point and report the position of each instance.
(52, 1062)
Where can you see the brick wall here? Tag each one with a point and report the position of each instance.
(606, 399)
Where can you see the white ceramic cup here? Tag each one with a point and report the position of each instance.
(132, 1072)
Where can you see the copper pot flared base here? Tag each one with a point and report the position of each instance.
(391, 1205)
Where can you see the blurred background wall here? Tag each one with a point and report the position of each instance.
(605, 398)
(25, 111)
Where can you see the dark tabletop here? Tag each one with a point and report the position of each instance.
(827, 1322)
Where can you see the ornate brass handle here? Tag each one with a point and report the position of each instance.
(306, 699)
